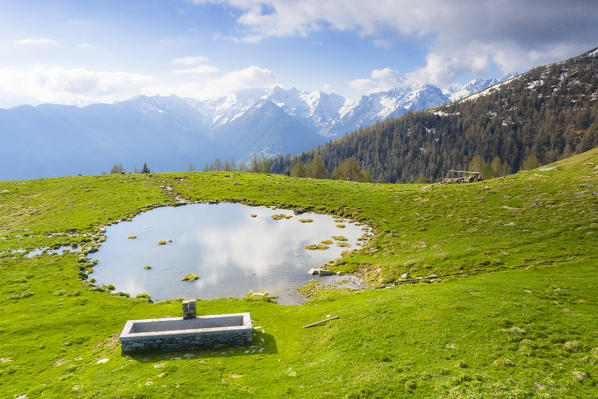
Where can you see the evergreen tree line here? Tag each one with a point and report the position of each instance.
(496, 134)
(118, 168)
(257, 165)
(315, 168)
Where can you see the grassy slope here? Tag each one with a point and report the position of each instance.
(526, 329)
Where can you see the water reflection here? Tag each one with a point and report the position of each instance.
(232, 251)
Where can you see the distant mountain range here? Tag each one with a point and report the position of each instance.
(169, 133)
(550, 112)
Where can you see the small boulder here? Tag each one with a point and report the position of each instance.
(323, 272)
(298, 210)
(405, 275)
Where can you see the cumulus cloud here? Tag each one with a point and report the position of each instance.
(189, 60)
(247, 78)
(197, 70)
(379, 80)
(80, 86)
(461, 37)
(77, 86)
(36, 42)
(199, 86)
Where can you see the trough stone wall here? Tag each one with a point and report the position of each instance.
(185, 341)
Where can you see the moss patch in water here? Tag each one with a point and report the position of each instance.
(190, 277)
(132, 237)
(339, 238)
(306, 220)
(280, 216)
(317, 246)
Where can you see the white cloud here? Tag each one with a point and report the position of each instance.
(379, 80)
(36, 42)
(86, 45)
(461, 37)
(77, 86)
(189, 60)
(248, 78)
(81, 86)
(197, 70)
(383, 43)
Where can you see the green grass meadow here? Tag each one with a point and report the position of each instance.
(512, 310)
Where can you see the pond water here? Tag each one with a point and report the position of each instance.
(43, 251)
(234, 249)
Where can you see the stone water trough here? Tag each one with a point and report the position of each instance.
(189, 331)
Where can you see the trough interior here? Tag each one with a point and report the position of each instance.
(189, 324)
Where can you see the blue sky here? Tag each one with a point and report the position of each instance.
(79, 52)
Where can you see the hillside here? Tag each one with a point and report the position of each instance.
(511, 312)
(550, 112)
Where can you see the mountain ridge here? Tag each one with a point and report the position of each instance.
(170, 132)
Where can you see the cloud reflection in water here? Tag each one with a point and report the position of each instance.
(231, 251)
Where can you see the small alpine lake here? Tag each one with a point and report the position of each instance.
(231, 248)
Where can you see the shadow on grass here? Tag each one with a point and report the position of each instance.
(256, 348)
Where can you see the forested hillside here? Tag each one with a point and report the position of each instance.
(550, 112)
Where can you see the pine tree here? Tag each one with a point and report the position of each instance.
(421, 178)
(265, 167)
(145, 168)
(350, 170)
(477, 164)
(190, 168)
(117, 168)
(316, 168)
(298, 170)
(530, 163)
(255, 165)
